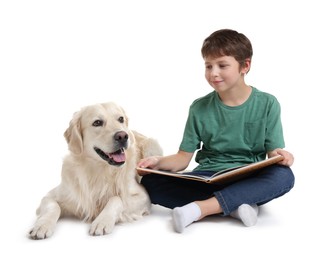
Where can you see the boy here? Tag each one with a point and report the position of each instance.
(233, 125)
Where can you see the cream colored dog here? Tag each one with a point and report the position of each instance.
(99, 183)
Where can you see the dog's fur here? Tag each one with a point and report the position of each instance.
(99, 183)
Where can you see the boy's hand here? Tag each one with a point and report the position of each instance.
(288, 157)
(149, 162)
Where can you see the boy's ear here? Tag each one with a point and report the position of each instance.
(246, 66)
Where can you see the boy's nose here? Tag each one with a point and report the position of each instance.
(214, 72)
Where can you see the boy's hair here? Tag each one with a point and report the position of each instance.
(227, 42)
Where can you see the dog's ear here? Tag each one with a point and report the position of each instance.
(73, 134)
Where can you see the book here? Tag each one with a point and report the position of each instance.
(220, 177)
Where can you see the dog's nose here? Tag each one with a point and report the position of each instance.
(121, 137)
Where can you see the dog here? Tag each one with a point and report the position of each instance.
(99, 183)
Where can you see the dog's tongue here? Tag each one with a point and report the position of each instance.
(118, 157)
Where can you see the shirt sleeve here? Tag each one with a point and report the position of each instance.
(274, 131)
(191, 138)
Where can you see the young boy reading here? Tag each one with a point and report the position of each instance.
(233, 125)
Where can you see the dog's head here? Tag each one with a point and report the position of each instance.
(100, 132)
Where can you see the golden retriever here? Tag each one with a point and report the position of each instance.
(99, 183)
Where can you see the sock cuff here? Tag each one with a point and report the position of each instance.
(193, 210)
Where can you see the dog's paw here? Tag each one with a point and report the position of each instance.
(41, 232)
(99, 228)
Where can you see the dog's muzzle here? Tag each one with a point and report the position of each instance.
(118, 157)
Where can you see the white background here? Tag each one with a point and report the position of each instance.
(57, 56)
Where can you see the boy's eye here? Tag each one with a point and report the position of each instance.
(208, 67)
(223, 65)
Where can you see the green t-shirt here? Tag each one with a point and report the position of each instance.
(232, 136)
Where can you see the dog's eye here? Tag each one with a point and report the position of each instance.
(97, 123)
(121, 119)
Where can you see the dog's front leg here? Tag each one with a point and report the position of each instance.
(48, 215)
(108, 217)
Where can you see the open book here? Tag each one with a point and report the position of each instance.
(223, 176)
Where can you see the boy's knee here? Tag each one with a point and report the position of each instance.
(285, 176)
(289, 176)
(148, 180)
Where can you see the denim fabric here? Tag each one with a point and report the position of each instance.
(259, 188)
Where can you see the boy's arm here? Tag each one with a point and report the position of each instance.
(175, 162)
(288, 157)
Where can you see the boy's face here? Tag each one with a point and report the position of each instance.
(224, 73)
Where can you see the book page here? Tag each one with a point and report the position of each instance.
(226, 175)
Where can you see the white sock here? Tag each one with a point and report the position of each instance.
(184, 216)
(248, 214)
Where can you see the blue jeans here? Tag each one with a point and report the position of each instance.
(259, 188)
